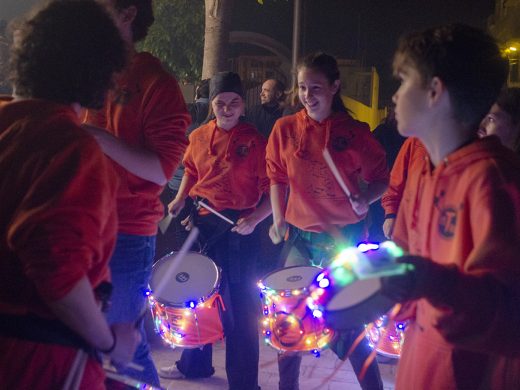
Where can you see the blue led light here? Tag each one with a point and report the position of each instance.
(191, 304)
(367, 246)
(324, 283)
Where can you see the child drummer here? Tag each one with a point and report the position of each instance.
(459, 216)
(225, 165)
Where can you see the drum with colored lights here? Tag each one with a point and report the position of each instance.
(386, 336)
(288, 324)
(187, 312)
(348, 292)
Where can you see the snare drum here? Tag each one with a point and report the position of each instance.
(288, 324)
(187, 312)
(348, 292)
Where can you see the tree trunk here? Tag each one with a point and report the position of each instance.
(216, 36)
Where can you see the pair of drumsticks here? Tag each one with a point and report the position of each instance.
(165, 223)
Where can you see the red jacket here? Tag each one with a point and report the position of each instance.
(465, 212)
(57, 225)
(146, 109)
(228, 165)
(295, 158)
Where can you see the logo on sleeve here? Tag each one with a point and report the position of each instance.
(448, 222)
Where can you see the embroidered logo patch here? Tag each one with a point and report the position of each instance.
(242, 150)
(447, 222)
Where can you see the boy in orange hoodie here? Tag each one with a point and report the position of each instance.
(459, 218)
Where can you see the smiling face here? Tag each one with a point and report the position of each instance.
(498, 122)
(411, 101)
(227, 107)
(316, 93)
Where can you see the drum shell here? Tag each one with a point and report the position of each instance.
(288, 324)
(194, 319)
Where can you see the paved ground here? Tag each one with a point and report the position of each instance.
(314, 371)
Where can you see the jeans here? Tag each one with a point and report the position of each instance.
(131, 268)
(318, 249)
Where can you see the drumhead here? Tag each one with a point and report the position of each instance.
(290, 278)
(354, 293)
(357, 304)
(195, 276)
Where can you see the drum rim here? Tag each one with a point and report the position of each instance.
(261, 281)
(202, 299)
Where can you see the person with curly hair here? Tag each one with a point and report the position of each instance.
(58, 194)
(142, 128)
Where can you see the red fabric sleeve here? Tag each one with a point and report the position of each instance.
(372, 156)
(392, 197)
(65, 226)
(165, 120)
(275, 165)
(485, 314)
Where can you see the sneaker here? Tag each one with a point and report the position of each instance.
(170, 372)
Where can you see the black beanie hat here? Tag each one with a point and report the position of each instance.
(225, 82)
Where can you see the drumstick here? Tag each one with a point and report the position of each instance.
(212, 210)
(176, 261)
(129, 381)
(164, 224)
(335, 172)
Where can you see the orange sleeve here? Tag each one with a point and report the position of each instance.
(372, 157)
(275, 165)
(484, 313)
(165, 120)
(392, 197)
(65, 227)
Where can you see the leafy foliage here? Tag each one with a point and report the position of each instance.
(177, 37)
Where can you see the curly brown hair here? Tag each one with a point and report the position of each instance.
(67, 53)
(143, 19)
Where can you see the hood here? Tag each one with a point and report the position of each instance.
(306, 124)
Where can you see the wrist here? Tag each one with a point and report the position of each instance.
(110, 349)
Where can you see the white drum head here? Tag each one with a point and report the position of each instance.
(195, 276)
(291, 278)
(354, 294)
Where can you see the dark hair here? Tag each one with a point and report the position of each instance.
(143, 19)
(328, 66)
(466, 59)
(279, 87)
(509, 101)
(202, 90)
(68, 53)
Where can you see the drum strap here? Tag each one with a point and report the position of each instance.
(294, 240)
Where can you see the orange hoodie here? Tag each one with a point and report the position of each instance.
(146, 109)
(295, 158)
(410, 156)
(465, 212)
(58, 194)
(229, 165)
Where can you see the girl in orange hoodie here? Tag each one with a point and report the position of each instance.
(315, 204)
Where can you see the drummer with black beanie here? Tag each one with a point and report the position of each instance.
(225, 167)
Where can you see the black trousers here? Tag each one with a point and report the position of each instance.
(236, 256)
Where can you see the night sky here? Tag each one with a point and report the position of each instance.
(366, 29)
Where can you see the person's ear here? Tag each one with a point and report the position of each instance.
(129, 14)
(436, 89)
(335, 86)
